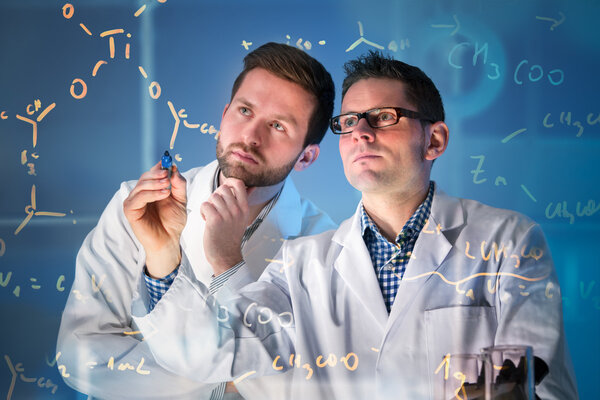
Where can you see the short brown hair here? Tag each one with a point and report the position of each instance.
(419, 89)
(296, 66)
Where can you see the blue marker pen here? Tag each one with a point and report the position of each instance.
(166, 162)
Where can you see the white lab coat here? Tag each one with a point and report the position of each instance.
(109, 275)
(449, 301)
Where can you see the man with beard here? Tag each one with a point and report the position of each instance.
(243, 202)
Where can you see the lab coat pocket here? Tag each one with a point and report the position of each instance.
(455, 330)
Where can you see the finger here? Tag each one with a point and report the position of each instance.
(209, 213)
(176, 177)
(178, 185)
(154, 173)
(228, 196)
(135, 205)
(237, 185)
(150, 184)
(151, 175)
(156, 167)
(217, 201)
(140, 199)
(238, 188)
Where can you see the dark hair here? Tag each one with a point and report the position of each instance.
(420, 90)
(296, 66)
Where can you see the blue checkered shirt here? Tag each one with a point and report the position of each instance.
(390, 259)
(158, 287)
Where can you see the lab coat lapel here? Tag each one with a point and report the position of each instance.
(192, 237)
(356, 268)
(433, 245)
(284, 221)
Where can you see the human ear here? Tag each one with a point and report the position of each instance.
(438, 140)
(309, 155)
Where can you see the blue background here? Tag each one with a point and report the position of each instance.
(193, 49)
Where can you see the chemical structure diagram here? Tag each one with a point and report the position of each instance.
(393, 46)
(79, 89)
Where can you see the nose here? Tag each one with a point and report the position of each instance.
(363, 131)
(252, 133)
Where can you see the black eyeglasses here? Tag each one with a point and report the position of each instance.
(376, 118)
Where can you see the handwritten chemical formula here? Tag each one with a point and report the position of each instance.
(90, 92)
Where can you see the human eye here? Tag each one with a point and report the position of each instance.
(348, 121)
(386, 116)
(278, 126)
(245, 111)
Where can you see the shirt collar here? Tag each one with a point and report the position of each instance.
(411, 228)
(216, 179)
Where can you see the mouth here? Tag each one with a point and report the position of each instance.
(365, 157)
(243, 156)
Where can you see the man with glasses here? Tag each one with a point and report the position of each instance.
(381, 304)
(241, 203)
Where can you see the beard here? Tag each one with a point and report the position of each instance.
(236, 169)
